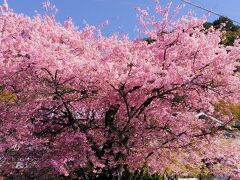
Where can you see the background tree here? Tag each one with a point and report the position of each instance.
(231, 31)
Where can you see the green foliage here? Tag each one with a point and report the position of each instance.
(143, 174)
(7, 96)
(229, 109)
(231, 31)
(229, 25)
(149, 40)
(230, 36)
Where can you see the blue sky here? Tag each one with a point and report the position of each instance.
(120, 13)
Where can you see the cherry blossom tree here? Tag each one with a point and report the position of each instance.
(74, 99)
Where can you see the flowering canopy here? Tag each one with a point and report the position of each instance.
(73, 98)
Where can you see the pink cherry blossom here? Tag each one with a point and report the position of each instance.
(74, 98)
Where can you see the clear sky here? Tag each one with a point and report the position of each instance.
(120, 13)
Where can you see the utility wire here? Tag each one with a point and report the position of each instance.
(208, 10)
